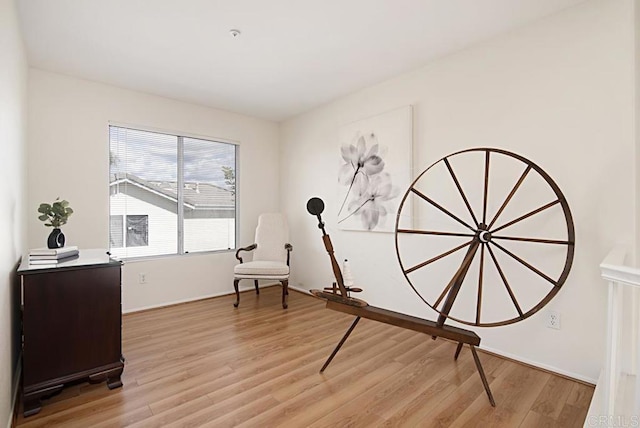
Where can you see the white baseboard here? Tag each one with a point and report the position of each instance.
(301, 290)
(177, 302)
(542, 366)
(206, 296)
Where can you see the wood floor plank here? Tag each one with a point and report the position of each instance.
(230, 415)
(207, 363)
(408, 382)
(536, 420)
(580, 395)
(450, 408)
(306, 408)
(398, 413)
(572, 416)
(553, 397)
(514, 390)
(248, 379)
(412, 413)
(178, 411)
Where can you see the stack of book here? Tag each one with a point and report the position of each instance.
(52, 256)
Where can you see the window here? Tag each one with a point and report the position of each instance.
(115, 231)
(170, 194)
(137, 230)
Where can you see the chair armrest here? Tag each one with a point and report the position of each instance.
(289, 249)
(249, 248)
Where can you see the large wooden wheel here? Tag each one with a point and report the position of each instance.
(509, 216)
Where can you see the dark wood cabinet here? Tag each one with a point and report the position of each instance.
(71, 325)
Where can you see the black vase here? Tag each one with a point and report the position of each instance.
(56, 239)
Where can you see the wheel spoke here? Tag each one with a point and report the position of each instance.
(555, 283)
(464, 197)
(506, 283)
(493, 223)
(432, 232)
(444, 210)
(486, 186)
(527, 215)
(541, 241)
(480, 278)
(513, 191)
(438, 257)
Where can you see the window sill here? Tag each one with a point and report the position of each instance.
(171, 256)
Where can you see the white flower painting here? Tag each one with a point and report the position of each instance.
(375, 170)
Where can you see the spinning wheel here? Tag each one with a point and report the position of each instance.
(515, 225)
(508, 214)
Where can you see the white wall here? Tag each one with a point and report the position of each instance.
(69, 157)
(636, 125)
(13, 86)
(559, 92)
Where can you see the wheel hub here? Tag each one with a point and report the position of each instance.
(483, 234)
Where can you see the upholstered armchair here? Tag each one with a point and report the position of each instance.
(271, 251)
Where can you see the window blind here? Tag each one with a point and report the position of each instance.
(170, 194)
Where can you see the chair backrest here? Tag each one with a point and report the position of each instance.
(271, 235)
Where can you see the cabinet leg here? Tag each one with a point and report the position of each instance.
(31, 401)
(31, 407)
(114, 382)
(113, 378)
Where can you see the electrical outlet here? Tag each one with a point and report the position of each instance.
(553, 320)
(142, 278)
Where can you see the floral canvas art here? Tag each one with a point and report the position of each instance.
(375, 170)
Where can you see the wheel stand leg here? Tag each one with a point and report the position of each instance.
(458, 349)
(344, 338)
(482, 376)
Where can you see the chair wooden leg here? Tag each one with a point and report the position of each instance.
(255, 282)
(285, 292)
(235, 285)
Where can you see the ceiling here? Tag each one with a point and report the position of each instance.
(292, 55)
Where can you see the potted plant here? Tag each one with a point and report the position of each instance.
(55, 215)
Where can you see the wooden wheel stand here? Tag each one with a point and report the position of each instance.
(339, 299)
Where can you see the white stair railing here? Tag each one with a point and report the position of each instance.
(617, 396)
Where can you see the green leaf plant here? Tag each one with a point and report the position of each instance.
(56, 214)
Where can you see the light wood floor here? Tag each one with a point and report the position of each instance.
(208, 364)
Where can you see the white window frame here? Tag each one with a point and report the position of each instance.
(180, 209)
